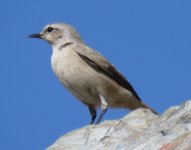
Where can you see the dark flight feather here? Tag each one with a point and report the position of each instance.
(111, 72)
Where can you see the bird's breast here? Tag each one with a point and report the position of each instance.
(65, 64)
(75, 74)
(72, 71)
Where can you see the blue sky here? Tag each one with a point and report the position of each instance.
(148, 41)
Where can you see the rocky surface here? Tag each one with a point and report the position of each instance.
(139, 130)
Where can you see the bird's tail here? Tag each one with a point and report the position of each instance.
(145, 106)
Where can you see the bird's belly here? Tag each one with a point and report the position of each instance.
(77, 76)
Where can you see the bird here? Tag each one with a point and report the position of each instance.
(88, 75)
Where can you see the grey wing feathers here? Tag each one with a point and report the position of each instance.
(99, 63)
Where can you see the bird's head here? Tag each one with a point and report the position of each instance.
(58, 33)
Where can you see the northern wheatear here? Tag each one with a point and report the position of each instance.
(86, 73)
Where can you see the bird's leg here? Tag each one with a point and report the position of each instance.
(103, 108)
(93, 113)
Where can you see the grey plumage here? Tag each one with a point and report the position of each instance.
(86, 73)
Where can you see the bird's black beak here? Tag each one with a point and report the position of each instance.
(36, 35)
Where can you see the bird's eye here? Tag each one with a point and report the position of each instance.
(49, 29)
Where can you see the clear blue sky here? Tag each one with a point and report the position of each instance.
(148, 41)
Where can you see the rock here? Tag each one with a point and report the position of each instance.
(139, 130)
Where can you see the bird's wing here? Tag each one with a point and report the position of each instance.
(99, 63)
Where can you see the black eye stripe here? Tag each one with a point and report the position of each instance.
(50, 29)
